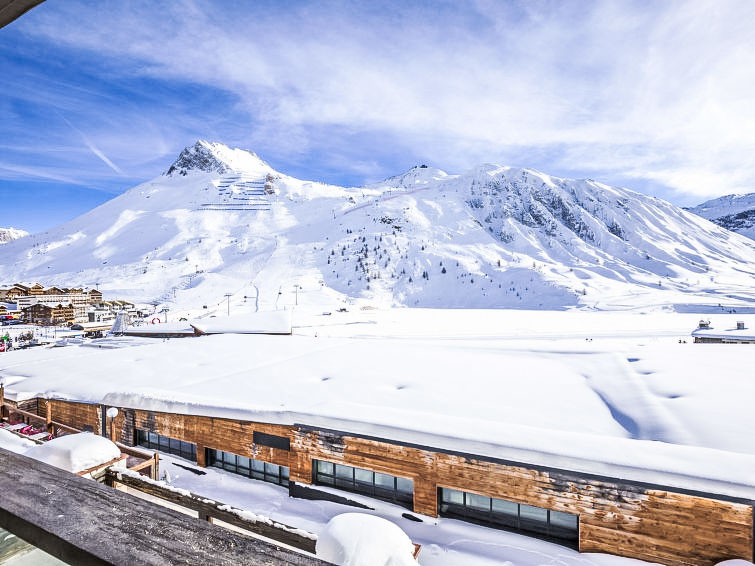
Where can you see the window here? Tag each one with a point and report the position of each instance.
(166, 444)
(271, 440)
(358, 480)
(544, 523)
(255, 469)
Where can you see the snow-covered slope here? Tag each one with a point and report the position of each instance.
(10, 234)
(733, 212)
(222, 221)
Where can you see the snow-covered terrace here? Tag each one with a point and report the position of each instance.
(588, 410)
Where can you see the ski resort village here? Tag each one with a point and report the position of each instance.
(285, 349)
(423, 323)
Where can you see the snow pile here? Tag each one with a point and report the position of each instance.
(271, 322)
(358, 539)
(75, 452)
(14, 443)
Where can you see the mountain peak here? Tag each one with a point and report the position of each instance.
(418, 175)
(215, 157)
(10, 234)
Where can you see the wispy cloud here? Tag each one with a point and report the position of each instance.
(654, 91)
(19, 172)
(93, 148)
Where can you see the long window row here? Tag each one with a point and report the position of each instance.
(358, 480)
(166, 444)
(561, 527)
(255, 469)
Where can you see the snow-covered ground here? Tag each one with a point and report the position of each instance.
(612, 394)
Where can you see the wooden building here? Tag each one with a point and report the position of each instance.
(587, 512)
(37, 289)
(95, 296)
(40, 313)
(54, 291)
(13, 292)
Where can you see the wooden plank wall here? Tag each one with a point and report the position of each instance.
(78, 415)
(220, 434)
(614, 516)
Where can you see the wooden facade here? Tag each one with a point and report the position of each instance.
(48, 314)
(653, 523)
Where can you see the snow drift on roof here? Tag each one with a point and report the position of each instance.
(271, 322)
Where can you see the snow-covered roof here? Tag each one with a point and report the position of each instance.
(270, 322)
(161, 328)
(589, 410)
(725, 334)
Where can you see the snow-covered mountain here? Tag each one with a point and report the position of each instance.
(9, 234)
(733, 212)
(222, 221)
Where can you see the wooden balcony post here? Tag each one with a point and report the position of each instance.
(2, 401)
(48, 418)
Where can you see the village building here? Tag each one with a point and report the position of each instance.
(88, 305)
(12, 292)
(740, 334)
(95, 296)
(78, 303)
(37, 289)
(47, 314)
(54, 291)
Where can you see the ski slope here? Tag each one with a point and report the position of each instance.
(222, 221)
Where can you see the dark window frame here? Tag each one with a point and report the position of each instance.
(497, 520)
(339, 478)
(161, 443)
(271, 440)
(256, 469)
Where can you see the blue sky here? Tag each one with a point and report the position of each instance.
(98, 97)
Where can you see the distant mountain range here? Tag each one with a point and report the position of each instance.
(9, 234)
(733, 212)
(222, 221)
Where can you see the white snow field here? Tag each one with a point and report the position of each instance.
(615, 394)
(223, 221)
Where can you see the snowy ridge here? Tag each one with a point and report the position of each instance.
(222, 221)
(733, 212)
(10, 234)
